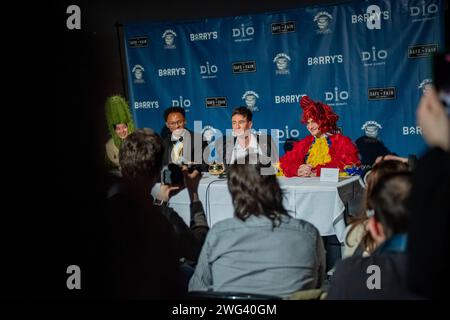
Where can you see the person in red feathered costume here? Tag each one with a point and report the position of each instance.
(324, 148)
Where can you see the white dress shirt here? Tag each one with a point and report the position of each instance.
(241, 152)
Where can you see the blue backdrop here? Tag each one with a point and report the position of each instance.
(369, 60)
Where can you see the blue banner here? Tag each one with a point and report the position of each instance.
(369, 60)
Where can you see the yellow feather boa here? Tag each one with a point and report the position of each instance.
(319, 152)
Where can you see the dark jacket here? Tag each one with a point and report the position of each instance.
(138, 254)
(351, 277)
(189, 239)
(429, 232)
(225, 147)
(195, 145)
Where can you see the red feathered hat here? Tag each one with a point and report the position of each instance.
(319, 112)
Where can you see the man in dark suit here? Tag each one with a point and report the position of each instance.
(182, 146)
(244, 142)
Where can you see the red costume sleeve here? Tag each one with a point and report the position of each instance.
(343, 152)
(290, 162)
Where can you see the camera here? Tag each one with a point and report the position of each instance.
(172, 173)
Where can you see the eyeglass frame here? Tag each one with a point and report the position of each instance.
(174, 123)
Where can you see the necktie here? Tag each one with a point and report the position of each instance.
(177, 152)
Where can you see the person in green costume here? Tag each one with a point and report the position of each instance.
(120, 125)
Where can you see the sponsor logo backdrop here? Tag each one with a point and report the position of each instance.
(367, 59)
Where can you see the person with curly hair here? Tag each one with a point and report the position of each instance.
(324, 148)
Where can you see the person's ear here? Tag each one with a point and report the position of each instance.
(167, 125)
(376, 230)
(250, 124)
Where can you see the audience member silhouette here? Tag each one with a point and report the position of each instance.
(382, 275)
(429, 232)
(257, 251)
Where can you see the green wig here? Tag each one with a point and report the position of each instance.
(117, 111)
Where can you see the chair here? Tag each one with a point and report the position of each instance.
(216, 295)
(312, 294)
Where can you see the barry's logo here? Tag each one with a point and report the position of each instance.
(425, 85)
(371, 128)
(138, 72)
(323, 19)
(412, 130)
(210, 135)
(146, 104)
(250, 100)
(372, 17)
(281, 61)
(337, 58)
(169, 39)
(204, 36)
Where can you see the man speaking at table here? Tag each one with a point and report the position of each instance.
(243, 141)
(182, 146)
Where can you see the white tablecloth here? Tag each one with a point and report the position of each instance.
(320, 203)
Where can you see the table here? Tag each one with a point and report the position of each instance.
(321, 203)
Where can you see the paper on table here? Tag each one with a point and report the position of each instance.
(329, 174)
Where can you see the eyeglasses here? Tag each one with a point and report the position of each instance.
(174, 123)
